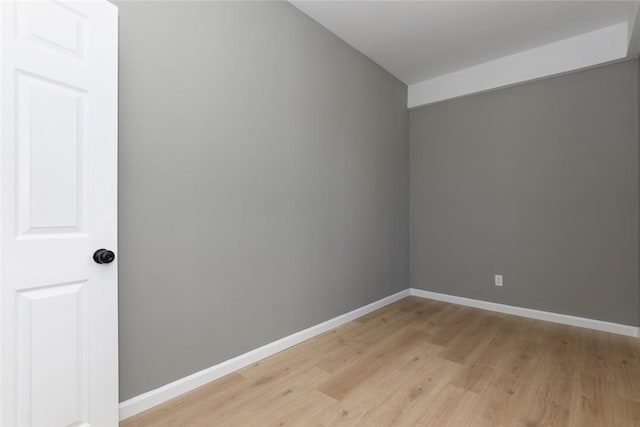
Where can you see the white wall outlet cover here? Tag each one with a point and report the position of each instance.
(498, 280)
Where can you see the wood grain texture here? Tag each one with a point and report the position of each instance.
(419, 362)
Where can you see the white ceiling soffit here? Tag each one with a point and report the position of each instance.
(448, 49)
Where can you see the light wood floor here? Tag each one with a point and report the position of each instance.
(419, 362)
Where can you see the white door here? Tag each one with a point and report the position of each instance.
(58, 154)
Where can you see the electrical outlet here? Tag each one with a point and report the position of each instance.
(498, 280)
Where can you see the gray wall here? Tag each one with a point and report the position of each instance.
(264, 187)
(537, 182)
(263, 183)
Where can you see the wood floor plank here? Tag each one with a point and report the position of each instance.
(387, 351)
(404, 405)
(419, 362)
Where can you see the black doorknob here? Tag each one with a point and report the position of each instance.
(103, 256)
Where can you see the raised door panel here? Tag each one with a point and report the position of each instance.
(53, 25)
(51, 147)
(53, 360)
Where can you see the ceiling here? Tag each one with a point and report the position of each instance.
(417, 41)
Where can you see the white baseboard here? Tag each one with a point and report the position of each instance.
(167, 392)
(599, 325)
